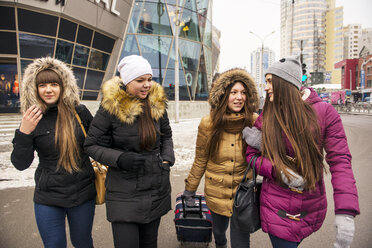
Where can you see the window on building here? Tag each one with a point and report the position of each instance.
(8, 43)
(84, 36)
(79, 75)
(67, 30)
(34, 22)
(98, 60)
(102, 42)
(90, 95)
(155, 49)
(85, 50)
(81, 55)
(33, 46)
(7, 18)
(95, 80)
(64, 51)
(150, 18)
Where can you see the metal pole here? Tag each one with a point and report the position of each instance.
(262, 78)
(261, 71)
(291, 48)
(176, 68)
(351, 80)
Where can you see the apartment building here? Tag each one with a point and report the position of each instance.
(257, 61)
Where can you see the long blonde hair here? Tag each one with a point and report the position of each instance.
(65, 139)
(289, 116)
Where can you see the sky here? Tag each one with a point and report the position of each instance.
(237, 18)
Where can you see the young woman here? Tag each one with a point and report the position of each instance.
(64, 177)
(220, 151)
(296, 126)
(133, 112)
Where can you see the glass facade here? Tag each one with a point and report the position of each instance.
(33, 30)
(85, 50)
(151, 34)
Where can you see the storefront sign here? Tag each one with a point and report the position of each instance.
(62, 2)
(111, 8)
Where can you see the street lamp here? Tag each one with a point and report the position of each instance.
(261, 85)
(176, 68)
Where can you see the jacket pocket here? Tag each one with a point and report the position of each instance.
(43, 180)
(165, 173)
(144, 176)
(213, 185)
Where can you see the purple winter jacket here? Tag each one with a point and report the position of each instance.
(276, 199)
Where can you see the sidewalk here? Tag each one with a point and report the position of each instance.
(18, 227)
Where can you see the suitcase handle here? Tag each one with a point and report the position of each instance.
(200, 211)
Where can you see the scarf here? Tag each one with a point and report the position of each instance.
(234, 123)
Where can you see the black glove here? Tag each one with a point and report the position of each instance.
(131, 161)
(189, 198)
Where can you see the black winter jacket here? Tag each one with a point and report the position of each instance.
(142, 195)
(55, 187)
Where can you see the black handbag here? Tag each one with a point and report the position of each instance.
(246, 208)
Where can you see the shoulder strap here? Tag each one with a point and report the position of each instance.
(79, 120)
(253, 159)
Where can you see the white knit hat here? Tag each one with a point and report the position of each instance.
(288, 69)
(132, 67)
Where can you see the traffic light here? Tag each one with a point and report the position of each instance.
(304, 76)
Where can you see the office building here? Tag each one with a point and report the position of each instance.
(352, 41)
(257, 63)
(92, 35)
(313, 29)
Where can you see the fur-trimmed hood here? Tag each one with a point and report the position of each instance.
(229, 77)
(29, 95)
(125, 107)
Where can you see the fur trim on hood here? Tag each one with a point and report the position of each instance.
(29, 95)
(125, 107)
(229, 77)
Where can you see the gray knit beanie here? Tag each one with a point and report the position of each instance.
(288, 69)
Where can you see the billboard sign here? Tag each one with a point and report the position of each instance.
(327, 77)
(362, 79)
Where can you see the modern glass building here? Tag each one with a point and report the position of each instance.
(91, 37)
(151, 33)
(257, 63)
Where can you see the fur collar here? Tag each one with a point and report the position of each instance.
(127, 108)
(230, 77)
(29, 95)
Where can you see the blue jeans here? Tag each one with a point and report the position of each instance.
(238, 238)
(282, 243)
(51, 224)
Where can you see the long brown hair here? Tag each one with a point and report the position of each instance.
(65, 139)
(219, 119)
(146, 127)
(290, 116)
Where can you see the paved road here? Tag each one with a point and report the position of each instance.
(18, 228)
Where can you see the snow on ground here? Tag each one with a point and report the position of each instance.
(184, 139)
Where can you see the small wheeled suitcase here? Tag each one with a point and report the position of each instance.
(193, 224)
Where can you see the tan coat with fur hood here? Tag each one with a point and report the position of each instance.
(225, 170)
